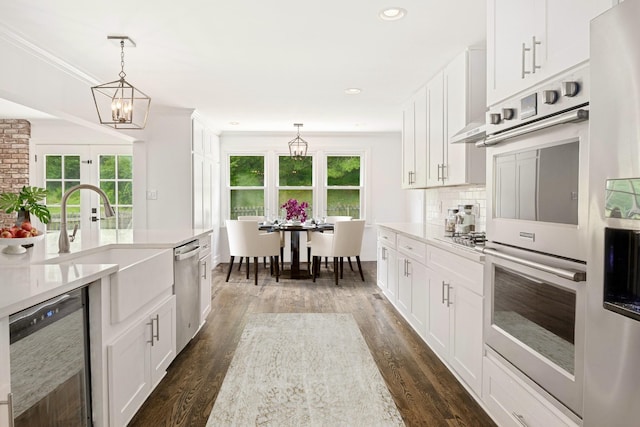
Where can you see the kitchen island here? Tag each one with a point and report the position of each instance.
(114, 334)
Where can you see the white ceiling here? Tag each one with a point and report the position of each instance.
(264, 64)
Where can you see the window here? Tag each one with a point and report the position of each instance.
(116, 179)
(109, 167)
(246, 185)
(332, 183)
(344, 186)
(61, 173)
(295, 181)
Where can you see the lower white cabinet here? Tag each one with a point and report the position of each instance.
(413, 298)
(454, 326)
(512, 403)
(205, 278)
(138, 359)
(387, 271)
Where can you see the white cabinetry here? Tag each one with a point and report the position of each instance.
(452, 99)
(412, 299)
(205, 278)
(512, 403)
(465, 99)
(531, 40)
(435, 130)
(387, 267)
(414, 141)
(454, 327)
(203, 164)
(138, 359)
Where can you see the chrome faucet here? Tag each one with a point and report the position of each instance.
(63, 241)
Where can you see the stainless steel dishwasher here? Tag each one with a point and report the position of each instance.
(186, 275)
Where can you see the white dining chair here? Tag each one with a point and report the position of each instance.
(328, 220)
(346, 241)
(246, 241)
(260, 219)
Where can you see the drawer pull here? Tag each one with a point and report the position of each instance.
(520, 419)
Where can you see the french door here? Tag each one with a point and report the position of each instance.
(109, 167)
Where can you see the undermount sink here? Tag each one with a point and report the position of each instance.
(142, 275)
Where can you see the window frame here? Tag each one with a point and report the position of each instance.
(319, 178)
(327, 187)
(230, 188)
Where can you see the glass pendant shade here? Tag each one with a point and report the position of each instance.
(298, 146)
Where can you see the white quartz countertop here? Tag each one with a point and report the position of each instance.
(432, 235)
(24, 286)
(25, 281)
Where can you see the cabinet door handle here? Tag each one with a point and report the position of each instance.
(9, 403)
(534, 67)
(443, 174)
(408, 265)
(157, 327)
(446, 299)
(520, 419)
(155, 332)
(524, 50)
(384, 253)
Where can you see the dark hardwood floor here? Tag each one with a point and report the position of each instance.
(424, 390)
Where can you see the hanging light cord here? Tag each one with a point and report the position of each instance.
(122, 74)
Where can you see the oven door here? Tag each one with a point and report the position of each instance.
(534, 318)
(538, 195)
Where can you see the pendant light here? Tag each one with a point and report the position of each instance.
(298, 146)
(119, 104)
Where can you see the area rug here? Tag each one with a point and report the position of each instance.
(303, 370)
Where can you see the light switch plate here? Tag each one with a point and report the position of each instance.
(152, 194)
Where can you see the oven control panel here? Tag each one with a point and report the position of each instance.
(568, 91)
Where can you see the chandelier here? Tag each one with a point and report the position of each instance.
(119, 104)
(298, 146)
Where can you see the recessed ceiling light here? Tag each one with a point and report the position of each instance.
(392, 13)
(352, 91)
(234, 123)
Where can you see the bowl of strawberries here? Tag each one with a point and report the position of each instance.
(14, 238)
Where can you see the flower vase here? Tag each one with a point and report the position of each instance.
(22, 216)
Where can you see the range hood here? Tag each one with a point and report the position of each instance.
(472, 132)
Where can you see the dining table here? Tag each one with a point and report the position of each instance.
(295, 272)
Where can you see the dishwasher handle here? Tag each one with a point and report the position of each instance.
(181, 256)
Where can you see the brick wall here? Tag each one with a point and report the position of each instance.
(14, 159)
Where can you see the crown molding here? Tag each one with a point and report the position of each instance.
(18, 41)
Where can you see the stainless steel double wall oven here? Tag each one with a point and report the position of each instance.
(537, 193)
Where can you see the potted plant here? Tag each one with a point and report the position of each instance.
(25, 203)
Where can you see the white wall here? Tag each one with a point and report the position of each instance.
(385, 201)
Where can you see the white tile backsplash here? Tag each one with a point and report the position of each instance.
(438, 200)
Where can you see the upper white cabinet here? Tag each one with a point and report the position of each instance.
(435, 131)
(203, 166)
(452, 99)
(414, 141)
(531, 40)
